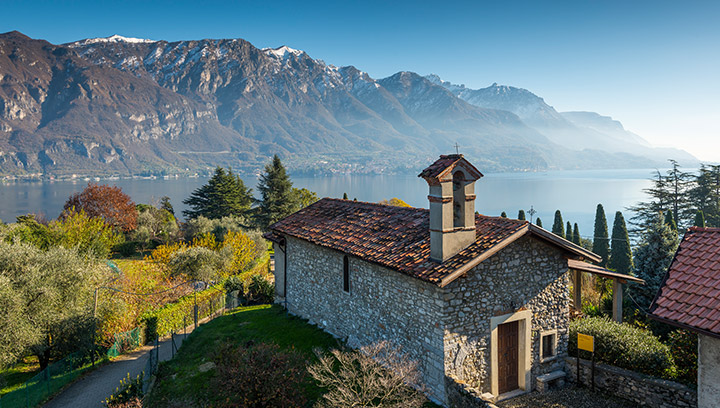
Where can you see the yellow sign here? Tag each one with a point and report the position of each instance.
(586, 342)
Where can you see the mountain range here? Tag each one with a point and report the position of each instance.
(127, 106)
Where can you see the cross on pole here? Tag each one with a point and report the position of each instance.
(532, 212)
(457, 148)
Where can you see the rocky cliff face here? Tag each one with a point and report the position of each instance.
(128, 106)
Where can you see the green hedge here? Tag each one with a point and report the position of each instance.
(174, 316)
(624, 346)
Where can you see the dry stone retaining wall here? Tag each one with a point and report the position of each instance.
(639, 388)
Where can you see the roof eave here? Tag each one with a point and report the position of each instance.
(605, 273)
(574, 249)
(684, 326)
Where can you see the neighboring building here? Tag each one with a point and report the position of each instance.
(689, 298)
(476, 300)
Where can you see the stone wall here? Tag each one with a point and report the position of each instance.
(639, 388)
(708, 371)
(461, 396)
(527, 274)
(382, 305)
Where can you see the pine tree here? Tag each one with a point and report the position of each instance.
(538, 222)
(670, 191)
(503, 215)
(705, 195)
(652, 259)
(568, 231)
(521, 215)
(278, 198)
(601, 243)
(670, 220)
(558, 227)
(699, 219)
(620, 252)
(166, 205)
(576, 235)
(223, 195)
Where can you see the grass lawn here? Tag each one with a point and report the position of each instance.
(16, 375)
(39, 389)
(180, 383)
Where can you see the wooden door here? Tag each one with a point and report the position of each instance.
(507, 357)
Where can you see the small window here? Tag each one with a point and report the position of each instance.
(346, 274)
(548, 344)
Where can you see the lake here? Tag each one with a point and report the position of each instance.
(574, 193)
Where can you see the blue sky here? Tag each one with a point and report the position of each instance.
(653, 65)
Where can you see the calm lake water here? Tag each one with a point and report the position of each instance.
(574, 193)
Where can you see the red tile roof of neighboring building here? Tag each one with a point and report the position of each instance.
(690, 295)
(399, 237)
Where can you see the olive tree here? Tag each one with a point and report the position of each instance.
(46, 300)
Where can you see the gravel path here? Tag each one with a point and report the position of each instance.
(91, 390)
(570, 397)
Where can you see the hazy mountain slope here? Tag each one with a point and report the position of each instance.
(128, 106)
(60, 114)
(574, 130)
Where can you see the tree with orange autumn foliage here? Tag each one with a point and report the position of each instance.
(108, 203)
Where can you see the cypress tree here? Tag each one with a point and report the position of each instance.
(601, 243)
(278, 199)
(223, 195)
(345, 197)
(558, 227)
(538, 222)
(521, 215)
(569, 232)
(670, 220)
(699, 219)
(576, 235)
(620, 253)
(503, 215)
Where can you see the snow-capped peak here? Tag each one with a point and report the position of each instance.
(283, 52)
(113, 39)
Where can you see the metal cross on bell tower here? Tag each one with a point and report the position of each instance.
(532, 212)
(457, 148)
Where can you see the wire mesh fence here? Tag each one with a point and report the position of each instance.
(124, 342)
(57, 375)
(47, 382)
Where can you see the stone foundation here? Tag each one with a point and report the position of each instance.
(462, 396)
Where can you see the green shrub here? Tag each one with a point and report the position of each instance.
(126, 249)
(249, 376)
(260, 290)
(174, 316)
(624, 346)
(234, 283)
(684, 346)
(590, 309)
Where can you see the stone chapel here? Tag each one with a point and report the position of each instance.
(481, 303)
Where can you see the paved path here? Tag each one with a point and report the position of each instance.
(91, 390)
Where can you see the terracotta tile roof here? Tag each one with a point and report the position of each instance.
(394, 237)
(690, 295)
(445, 164)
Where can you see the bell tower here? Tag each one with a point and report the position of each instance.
(451, 180)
